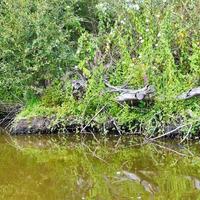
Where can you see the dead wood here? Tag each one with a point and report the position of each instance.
(189, 94)
(129, 94)
(79, 86)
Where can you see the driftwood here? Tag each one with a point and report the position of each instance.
(128, 94)
(136, 95)
(189, 94)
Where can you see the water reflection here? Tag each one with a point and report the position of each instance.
(196, 181)
(137, 177)
(55, 167)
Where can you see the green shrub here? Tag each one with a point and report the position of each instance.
(131, 42)
(37, 43)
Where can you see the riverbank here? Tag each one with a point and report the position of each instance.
(44, 125)
(98, 66)
(38, 119)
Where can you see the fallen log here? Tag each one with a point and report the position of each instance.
(136, 95)
(128, 94)
(189, 94)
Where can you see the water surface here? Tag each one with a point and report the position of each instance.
(67, 168)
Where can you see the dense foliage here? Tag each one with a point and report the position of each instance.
(38, 40)
(131, 42)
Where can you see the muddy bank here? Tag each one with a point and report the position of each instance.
(31, 126)
(45, 125)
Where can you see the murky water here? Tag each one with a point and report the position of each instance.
(67, 168)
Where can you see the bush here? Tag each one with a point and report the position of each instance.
(132, 42)
(141, 41)
(37, 43)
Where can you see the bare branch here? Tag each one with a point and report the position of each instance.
(189, 94)
(93, 118)
(168, 133)
(128, 94)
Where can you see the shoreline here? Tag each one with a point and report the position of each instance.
(45, 125)
(69, 125)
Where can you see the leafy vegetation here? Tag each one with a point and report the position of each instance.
(130, 42)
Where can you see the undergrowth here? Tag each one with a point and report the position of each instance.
(130, 42)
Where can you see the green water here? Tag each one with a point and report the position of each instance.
(67, 168)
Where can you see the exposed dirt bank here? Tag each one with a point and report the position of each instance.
(44, 125)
